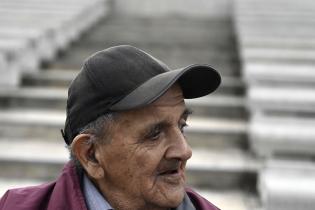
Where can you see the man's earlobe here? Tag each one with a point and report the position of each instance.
(84, 151)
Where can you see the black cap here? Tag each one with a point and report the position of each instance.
(123, 78)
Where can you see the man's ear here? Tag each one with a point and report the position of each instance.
(84, 151)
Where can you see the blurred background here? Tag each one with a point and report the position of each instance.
(253, 140)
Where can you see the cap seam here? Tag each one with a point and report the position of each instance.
(71, 135)
(90, 75)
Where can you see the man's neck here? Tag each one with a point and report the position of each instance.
(120, 201)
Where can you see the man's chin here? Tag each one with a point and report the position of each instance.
(175, 199)
(171, 195)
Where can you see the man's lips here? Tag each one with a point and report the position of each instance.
(169, 172)
(175, 169)
(174, 177)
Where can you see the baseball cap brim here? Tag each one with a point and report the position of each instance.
(194, 80)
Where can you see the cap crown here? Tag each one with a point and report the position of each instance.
(105, 78)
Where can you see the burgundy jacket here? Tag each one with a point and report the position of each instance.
(65, 194)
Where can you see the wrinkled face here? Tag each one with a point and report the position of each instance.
(145, 161)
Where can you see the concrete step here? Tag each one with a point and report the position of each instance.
(50, 78)
(292, 19)
(36, 159)
(279, 12)
(286, 184)
(67, 12)
(180, 43)
(217, 133)
(251, 19)
(31, 97)
(55, 98)
(62, 78)
(276, 42)
(186, 36)
(11, 70)
(59, 37)
(302, 75)
(223, 169)
(166, 31)
(42, 40)
(231, 85)
(278, 2)
(277, 31)
(275, 7)
(175, 57)
(281, 98)
(219, 106)
(232, 199)
(20, 52)
(31, 123)
(61, 24)
(282, 135)
(278, 54)
(39, 159)
(49, 4)
(61, 33)
(47, 123)
(179, 21)
(301, 34)
(277, 25)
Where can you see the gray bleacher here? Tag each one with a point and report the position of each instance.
(285, 135)
(34, 31)
(276, 46)
(271, 100)
(288, 184)
(221, 168)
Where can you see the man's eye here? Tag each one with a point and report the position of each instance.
(182, 127)
(154, 133)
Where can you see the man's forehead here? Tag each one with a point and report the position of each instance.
(171, 97)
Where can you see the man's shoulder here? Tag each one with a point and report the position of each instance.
(64, 193)
(27, 198)
(200, 202)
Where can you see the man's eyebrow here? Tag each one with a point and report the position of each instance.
(165, 123)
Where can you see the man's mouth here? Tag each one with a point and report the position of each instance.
(169, 172)
(174, 176)
(172, 172)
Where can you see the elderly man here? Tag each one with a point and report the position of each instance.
(125, 131)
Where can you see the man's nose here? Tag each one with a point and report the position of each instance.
(179, 148)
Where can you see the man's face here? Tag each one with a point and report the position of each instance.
(145, 161)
